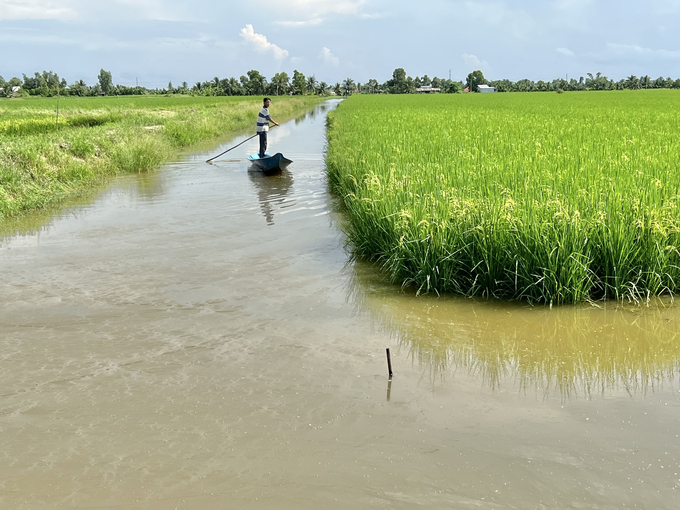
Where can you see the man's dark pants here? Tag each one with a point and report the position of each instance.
(263, 143)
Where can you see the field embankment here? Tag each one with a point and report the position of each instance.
(539, 197)
(43, 161)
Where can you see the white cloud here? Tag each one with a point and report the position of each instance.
(376, 15)
(38, 9)
(315, 12)
(73, 10)
(566, 51)
(260, 43)
(472, 61)
(635, 52)
(327, 57)
(321, 7)
(309, 23)
(32, 36)
(152, 9)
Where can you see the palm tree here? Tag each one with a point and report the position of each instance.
(348, 87)
(281, 83)
(235, 87)
(632, 82)
(322, 88)
(311, 84)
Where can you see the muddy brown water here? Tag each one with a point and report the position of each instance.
(198, 338)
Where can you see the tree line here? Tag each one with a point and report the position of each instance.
(591, 82)
(400, 84)
(48, 83)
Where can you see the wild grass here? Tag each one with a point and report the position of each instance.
(544, 197)
(43, 161)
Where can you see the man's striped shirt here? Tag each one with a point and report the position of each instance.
(263, 120)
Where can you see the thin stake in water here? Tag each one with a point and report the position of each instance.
(389, 363)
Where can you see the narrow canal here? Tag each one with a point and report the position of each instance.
(199, 338)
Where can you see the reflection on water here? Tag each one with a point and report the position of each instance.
(143, 187)
(311, 114)
(148, 186)
(570, 351)
(272, 191)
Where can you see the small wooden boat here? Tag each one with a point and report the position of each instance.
(269, 164)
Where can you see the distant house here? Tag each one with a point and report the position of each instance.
(428, 89)
(486, 88)
(14, 92)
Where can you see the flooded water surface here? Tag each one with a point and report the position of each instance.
(198, 338)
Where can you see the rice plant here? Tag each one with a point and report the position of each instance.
(539, 197)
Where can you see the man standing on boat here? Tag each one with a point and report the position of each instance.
(263, 120)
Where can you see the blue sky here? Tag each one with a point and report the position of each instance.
(156, 41)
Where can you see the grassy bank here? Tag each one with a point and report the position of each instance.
(43, 161)
(542, 197)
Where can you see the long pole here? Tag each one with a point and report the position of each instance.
(244, 141)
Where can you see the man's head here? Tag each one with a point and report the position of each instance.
(266, 101)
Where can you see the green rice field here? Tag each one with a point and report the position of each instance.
(550, 198)
(45, 158)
